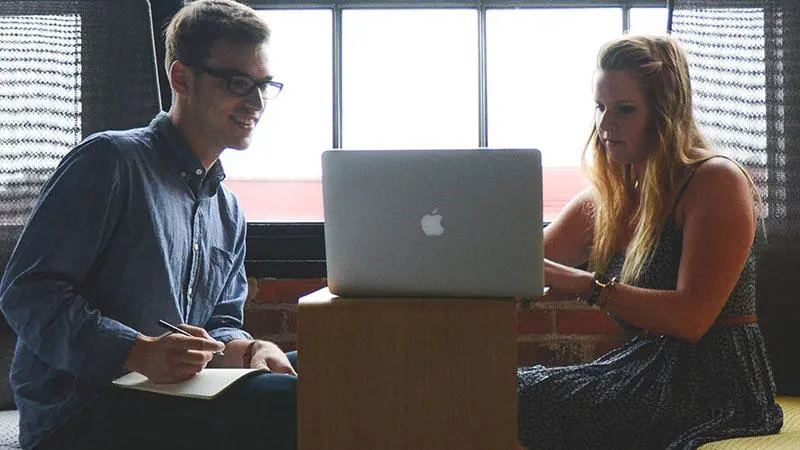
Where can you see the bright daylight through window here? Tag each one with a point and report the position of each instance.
(405, 84)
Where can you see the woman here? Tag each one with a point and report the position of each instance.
(667, 230)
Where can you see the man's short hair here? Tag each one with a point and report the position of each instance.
(195, 28)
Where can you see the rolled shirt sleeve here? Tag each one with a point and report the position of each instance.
(42, 293)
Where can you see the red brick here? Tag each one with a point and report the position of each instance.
(286, 345)
(532, 353)
(568, 352)
(552, 353)
(252, 288)
(558, 296)
(534, 321)
(603, 346)
(260, 321)
(284, 291)
(291, 321)
(585, 321)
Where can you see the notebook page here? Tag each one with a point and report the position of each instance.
(206, 384)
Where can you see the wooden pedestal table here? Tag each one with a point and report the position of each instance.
(400, 373)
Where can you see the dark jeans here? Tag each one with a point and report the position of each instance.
(259, 412)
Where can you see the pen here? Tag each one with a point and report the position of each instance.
(174, 329)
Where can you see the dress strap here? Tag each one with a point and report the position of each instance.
(689, 179)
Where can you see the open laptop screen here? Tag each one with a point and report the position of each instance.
(433, 223)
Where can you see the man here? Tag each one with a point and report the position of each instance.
(133, 227)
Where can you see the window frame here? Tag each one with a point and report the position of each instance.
(297, 249)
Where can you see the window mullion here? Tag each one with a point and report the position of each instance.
(626, 17)
(337, 76)
(483, 96)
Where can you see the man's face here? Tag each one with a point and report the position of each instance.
(227, 120)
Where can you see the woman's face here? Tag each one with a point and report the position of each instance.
(621, 117)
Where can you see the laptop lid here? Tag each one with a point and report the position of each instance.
(433, 223)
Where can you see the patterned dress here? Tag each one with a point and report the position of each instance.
(657, 392)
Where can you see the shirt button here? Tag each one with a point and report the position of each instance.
(183, 174)
(199, 172)
(196, 246)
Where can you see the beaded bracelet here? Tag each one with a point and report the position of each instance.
(601, 284)
(597, 288)
(608, 291)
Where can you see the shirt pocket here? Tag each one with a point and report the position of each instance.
(212, 285)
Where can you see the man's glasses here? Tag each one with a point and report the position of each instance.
(242, 85)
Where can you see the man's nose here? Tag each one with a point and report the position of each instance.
(257, 97)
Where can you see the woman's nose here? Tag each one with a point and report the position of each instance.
(606, 122)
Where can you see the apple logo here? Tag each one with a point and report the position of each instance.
(432, 224)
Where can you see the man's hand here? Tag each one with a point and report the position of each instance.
(269, 356)
(172, 357)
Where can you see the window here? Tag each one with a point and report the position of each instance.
(422, 76)
(277, 178)
(540, 96)
(406, 84)
(648, 20)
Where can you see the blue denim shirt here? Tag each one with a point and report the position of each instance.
(130, 229)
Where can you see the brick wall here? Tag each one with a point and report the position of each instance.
(556, 332)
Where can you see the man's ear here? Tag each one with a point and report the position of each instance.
(180, 77)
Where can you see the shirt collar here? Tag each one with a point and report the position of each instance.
(185, 163)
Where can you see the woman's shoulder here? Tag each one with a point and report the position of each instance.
(587, 196)
(714, 180)
(578, 211)
(720, 172)
(584, 203)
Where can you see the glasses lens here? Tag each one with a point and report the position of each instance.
(271, 90)
(239, 85)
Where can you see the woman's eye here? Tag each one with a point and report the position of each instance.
(599, 107)
(626, 109)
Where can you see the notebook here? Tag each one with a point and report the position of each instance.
(206, 384)
(433, 223)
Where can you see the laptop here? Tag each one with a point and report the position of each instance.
(433, 223)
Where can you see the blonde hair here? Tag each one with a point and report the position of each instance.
(660, 69)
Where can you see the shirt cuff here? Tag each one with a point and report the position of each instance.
(227, 334)
(106, 358)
